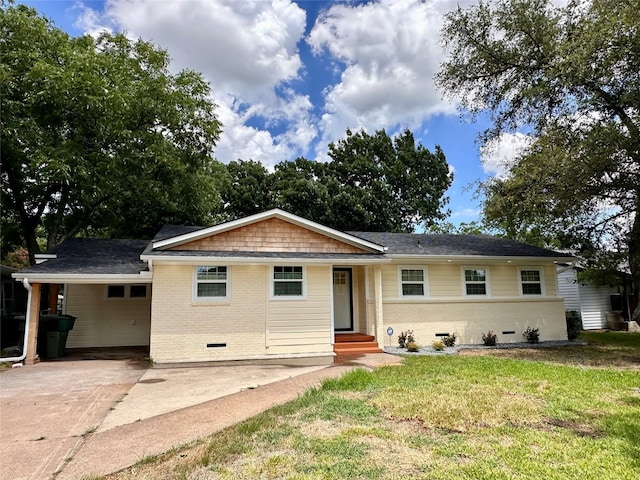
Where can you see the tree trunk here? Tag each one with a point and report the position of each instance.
(634, 258)
(31, 242)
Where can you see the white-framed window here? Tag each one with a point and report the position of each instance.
(413, 281)
(211, 282)
(288, 282)
(531, 281)
(476, 281)
(135, 291)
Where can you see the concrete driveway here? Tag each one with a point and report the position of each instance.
(73, 418)
(47, 408)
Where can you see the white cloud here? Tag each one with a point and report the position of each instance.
(245, 49)
(466, 214)
(391, 52)
(500, 153)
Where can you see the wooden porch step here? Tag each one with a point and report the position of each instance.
(353, 337)
(356, 348)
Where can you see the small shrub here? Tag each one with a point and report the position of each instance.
(574, 325)
(531, 335)
(449, 340)
(412, 347)
(438, 345)
(489, 339)
(405, 338)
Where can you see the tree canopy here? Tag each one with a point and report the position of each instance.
(569, 77)
(98, 135)
(371, 182)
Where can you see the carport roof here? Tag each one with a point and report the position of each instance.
(90, 257)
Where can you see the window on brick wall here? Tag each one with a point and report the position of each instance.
(211, 282)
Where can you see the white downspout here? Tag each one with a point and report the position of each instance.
(25, 282)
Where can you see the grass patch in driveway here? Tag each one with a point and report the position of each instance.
(463, 417)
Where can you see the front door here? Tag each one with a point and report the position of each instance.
(342, 300)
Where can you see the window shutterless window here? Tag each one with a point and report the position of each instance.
(115, 291)
(475, 280)
(412, 282)
(531, 282)
(127, 291)
(211, 282)
(138, 291)
(288, 281)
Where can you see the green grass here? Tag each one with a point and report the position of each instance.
(462, 417)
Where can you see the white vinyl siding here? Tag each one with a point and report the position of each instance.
(304, 326)
(568, 289)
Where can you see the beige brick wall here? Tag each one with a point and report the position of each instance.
(182, 328)
(445, 280)
(249, 323)
(470, 319)
(272, 235)
(448, 310)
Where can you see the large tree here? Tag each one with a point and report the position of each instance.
(98, 134)
(568, 77)
(372, 182)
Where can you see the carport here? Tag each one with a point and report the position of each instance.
(106, 287)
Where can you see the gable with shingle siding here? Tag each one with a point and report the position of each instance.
(271, 235)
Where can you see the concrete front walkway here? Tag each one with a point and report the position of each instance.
(88, 418)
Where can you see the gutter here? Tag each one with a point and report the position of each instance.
(25, 283)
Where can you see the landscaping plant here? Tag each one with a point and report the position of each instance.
(574, 324)
(405, 338)
(489, 339)
(413, 347)
(449, 340)
(531, 335)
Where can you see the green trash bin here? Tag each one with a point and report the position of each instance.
(53, 334)
(55, 344)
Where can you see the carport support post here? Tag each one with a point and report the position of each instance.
(53, 298)
(34, 315)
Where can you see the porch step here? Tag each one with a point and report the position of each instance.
(356, 348)
(353, 337)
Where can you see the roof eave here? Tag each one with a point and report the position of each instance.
(199, 260)
(467, 258)
(83, 278)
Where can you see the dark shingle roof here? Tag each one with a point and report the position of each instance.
(454, 245)
(94, 256)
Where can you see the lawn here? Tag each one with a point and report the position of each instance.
(567, 414)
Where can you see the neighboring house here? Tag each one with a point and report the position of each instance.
(278, 286)
(594, 302)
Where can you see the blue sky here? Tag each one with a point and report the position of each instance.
(291, 76)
